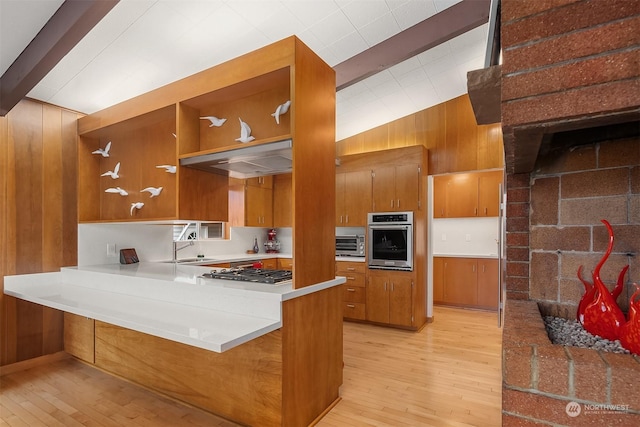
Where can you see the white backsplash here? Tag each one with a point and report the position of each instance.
(154, 242)
(465, 236)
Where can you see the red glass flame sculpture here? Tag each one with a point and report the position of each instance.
(630, 331)
(602, 316)
(590, 291)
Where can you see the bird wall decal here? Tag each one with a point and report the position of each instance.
(280, 110)
(114, 174)
(134, 206)
(117, 190)
(103, 151)
(168, 168)
(154, 191)
(214, 121)
(245, 132)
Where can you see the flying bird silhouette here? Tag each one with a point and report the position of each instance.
(282, 108)
(168, 168)
(154, 191)
(114, 173)
(135, 205)
(245, 132)
(103, 151)
(214, 121)
(117, 190)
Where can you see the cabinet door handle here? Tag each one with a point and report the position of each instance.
(475, 211)
(350, 290)
(391, 203)
(351, 269)
(485, 211)
(392, 286)
(351, 306)
(351, 278)
(473, 268)
(340, 219)
(385, 286)
(398, 204)
(346, 219)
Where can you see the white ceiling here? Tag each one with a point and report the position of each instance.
(144, 44)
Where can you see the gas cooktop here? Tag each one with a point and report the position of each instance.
(256, 275)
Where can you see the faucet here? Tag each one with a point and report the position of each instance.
(176, 248)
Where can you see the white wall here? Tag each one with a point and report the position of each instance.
(155, 242)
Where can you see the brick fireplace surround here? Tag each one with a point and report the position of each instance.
(568, 66)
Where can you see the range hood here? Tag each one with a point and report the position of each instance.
(246, 162)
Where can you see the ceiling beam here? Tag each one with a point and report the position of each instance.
(71, 22)
(439, 28)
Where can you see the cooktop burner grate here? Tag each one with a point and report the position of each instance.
(256, 275)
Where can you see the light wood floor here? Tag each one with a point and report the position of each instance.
(446, 375)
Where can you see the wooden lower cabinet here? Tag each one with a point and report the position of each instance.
(466, 282)
(354, 291)
(285, 263)
(389, 297)
(79, 337)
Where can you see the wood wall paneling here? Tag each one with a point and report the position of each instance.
(449, 132)
(39, 231)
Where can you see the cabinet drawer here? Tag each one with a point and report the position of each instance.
(348, 267)
(269, 264)
(353, 279)
(353, 310)
(285, 263)
(353, 293)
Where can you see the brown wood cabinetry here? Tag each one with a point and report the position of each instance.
(353, 198)
(396, 188)
(390, 297)
(258, 202)
(264, 202)
(468, 282)
(473, 194)
(282, 201)
(285, 264)
(354, 290)
(270, 264)
(79, 337)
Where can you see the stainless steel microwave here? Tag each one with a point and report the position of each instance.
(350, 245)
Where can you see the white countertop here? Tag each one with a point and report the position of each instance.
(165, 300)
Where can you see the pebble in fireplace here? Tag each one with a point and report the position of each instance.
(570, 332)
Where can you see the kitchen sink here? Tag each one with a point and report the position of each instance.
(190, 260)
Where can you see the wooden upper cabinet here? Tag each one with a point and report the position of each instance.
(473, 194)
(396, 188)
(282, 201)
(353, 198)
(258, 206)
(489, 187)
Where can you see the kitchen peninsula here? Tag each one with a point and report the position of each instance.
(280, 360)
(221, 345)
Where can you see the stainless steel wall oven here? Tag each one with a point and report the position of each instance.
(390, 240)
